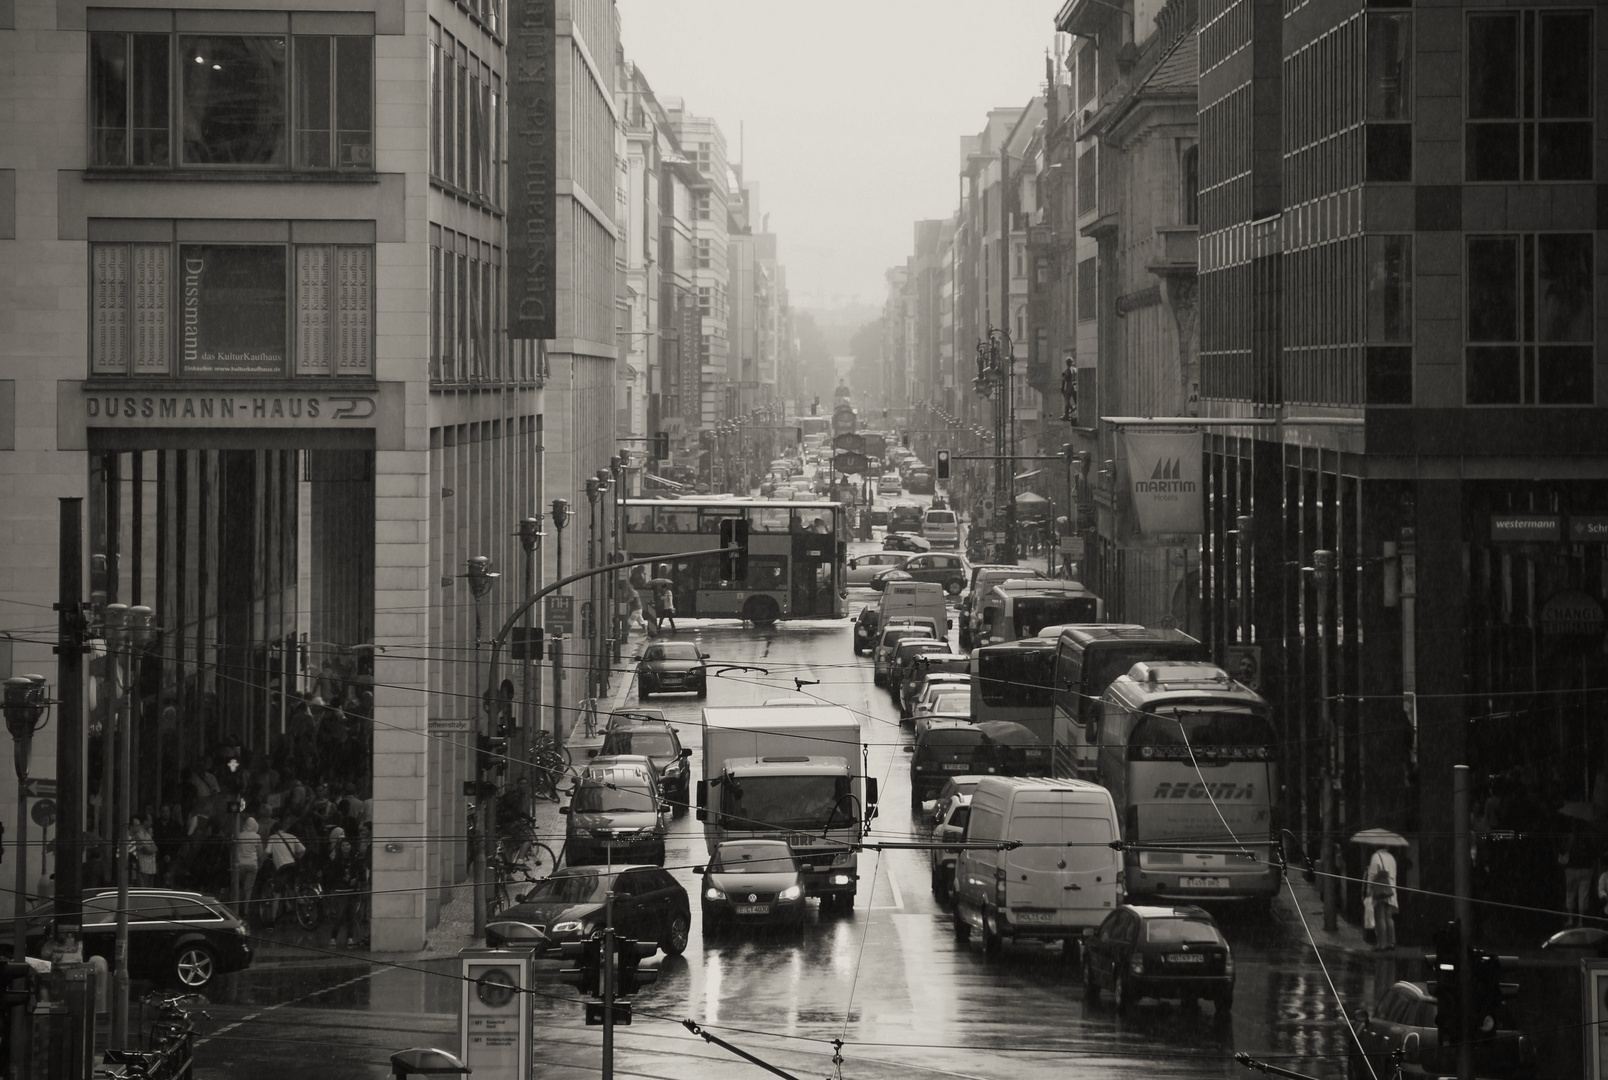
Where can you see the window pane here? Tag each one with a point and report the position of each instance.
(1493, 66)
(1390, 375)
(108, 326)
(234, 101)
(1566, 80)
(460, 150)
(449, 316)
(1493, 302)
(149, 93)
(1563, 286)
(108, 99)
(354, 304)
(1390, 152)
(232, 318)
(435, 109)
(1564, 151)
(1565, 375)
(149, 288)
(1493, 375)
(477, 131)
(312, 102)
(312, 309)
(1390, 48)
(1493, 151)
(449, 119)
(354, 102)
(1390, 288)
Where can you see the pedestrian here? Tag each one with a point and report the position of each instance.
(644, 593)
(664, 596)
(1578, 860)
(1381, 885)
(340, 886)
(143, 843)
(247, 861)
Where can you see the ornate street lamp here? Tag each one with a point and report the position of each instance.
(481, 579)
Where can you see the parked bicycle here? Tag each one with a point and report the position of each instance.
(553, 777)
(170, 1043)
(509, 875)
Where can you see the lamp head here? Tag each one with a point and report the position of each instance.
(591, 490)
(560, 510)
(25, 706)
(530, 533)
(481, 578)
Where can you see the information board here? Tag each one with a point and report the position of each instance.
(494, 1017)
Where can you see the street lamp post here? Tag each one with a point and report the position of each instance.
(530, 541)
(1323, 578)
(604, 627)
(594, 492)
(127, 629)
(996, 375)
(617, 466)
(26, 707)
(560, 516)
(481, 580)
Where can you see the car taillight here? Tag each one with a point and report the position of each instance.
(999, 885)
(1136, 963)
(1228, 963)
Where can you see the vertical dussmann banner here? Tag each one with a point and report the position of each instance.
(532, 170)
(1159, 474)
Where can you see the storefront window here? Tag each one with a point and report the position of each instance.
(1529, 96)
(232, 312)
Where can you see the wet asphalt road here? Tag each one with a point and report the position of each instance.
(891, 981)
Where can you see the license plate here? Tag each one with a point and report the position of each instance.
(753, 909)
(1203, 883)
(960, 767)
(1034, 916)
(1186, 958)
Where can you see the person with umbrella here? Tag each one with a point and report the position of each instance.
(1379, 883)
(1578, 858)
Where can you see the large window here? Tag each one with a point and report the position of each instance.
(247, 100)
(466, 309)
(466, 118)
(1530, 90)
(1530, 314)
(1389, 92)
(1088, 289)
(231, 310)
(1388, 317)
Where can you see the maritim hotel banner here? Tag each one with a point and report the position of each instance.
(1159, 478)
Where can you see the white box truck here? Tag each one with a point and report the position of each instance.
(794, 772)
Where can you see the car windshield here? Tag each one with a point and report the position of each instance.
(788, 802)
(675, 650)
(621, 797)
(952, 703)
(647, 743)
(745, 858)
(1182, 930)
(570, 887)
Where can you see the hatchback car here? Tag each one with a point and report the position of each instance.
(891, 635)
(963, 784)
(948, 569)
(755, 882)
(904, 541)
(905, 517)
(888, 484)
(943, 748)
(649, 905)
(657, 741)
(862, 568)
(1159, 952)
(672, 667)
(945, 692)
(950, 827)
(931, 668)
(865, 630)
(902, 661)
(616, 814)
(1404, 1023)
(173, 936)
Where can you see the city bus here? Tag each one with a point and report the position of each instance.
(796, 556)
(1088, 657)
(1015, 682)
(1021, 607)
(1189, 755)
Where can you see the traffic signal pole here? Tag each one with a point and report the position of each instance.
(608, 986)
(1462, 876)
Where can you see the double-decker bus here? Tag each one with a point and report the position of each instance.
(1189, 755)
(796, 556)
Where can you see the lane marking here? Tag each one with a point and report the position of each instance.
(225, 1029)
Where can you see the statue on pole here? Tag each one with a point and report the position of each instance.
(1069, 390)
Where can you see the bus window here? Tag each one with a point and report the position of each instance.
(767, 572)
(675, 519)
(1016, 678)
(1205, 729)
(1033, 613)
(709, 521)
(768, 519)
(639, 519)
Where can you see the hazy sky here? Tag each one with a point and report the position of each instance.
(851, 111)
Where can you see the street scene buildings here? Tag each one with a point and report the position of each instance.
(436, 531)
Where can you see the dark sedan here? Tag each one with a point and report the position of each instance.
(865, 630)
(904, 541)
(1159, 952)
(672, 667)
(173, 936)
(568, 906)
(756, 882)
(657, 741)
(1404, 1024)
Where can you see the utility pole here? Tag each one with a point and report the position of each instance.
(1462, 876)
(608, 986)
(70, 717)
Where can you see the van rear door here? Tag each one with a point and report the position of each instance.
(1064, 872)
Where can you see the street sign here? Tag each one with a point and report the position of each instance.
(1072, 547)
(850, 462)
(849, 441)
(521, 647)
(560, 615)
(39, 787)
(44, 812)
(494, 1012)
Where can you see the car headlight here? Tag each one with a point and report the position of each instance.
(792, 892)
(840, 879)
(843, 858)
(572, 927)
(713, 893)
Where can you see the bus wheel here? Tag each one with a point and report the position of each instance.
(761, 610)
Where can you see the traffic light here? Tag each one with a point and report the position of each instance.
(19, 979)
(587, 974)
(734, 538)
(493, 753)
(1448, 983)
(943, 464)
(905, 438)
(636, 970)
(815, 406)
(1068, 453)
(661, 446)
(798, 436)
(1490, 992)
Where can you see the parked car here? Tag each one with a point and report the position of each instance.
(891, 635)
(173, 935)
(755, 882)
(567, 905)
(616, 814)
(862, 568)
(865, 630)
(904, 541)
(1404, 1023)
(670, 667)
(1161, 952)
(657, 741)
(949, 826)
(948, 569)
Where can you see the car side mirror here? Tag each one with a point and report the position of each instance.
(700, 870)
(703, 656)
(854, 564)
(908, 749)
(564, 810)
(686, 751)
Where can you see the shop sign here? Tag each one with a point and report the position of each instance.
(532, 169)
(1160, 482)
(81, 406)
(1523, 528)
(1588, 530)
(560, 615)
(1571, 614)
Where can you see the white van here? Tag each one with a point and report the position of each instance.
(914, 599)
(1062, 881)
(942, 528)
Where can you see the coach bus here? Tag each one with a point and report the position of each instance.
(796, 556)
(1015, 682)
(1189, 755)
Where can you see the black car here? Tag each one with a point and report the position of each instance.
(865, 630)
(568, 906)
(903, 541)
(944, 747)
(672, 667)
(657, 741)
(905, 517)
(756, 882)
(616, 814)
(1160, 952)
(1404, 1023)
(173, 936)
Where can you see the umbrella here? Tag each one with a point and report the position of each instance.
(1009, 733)
(1580, 811)
(1580, 937)
(1379, 838)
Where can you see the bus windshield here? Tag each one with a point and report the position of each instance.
(1034, 613)
(1205, 729)
(1016, 678)
(788, 802)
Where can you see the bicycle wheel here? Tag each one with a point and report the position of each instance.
(542, 858)
(498, 900)
(309, 910)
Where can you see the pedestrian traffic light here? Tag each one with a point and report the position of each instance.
(1490, 992)
(943, 464)
(905, 438)
(587, 974)
(636, 970)
(815, 406)
(19, 983)
(493, 753)
(734, 538)
(661, 446)
(1448, 983)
